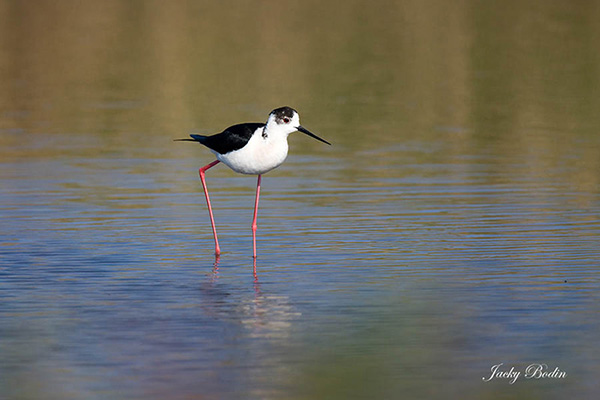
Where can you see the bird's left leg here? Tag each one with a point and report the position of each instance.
(212, 219)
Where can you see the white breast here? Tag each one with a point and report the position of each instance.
(258, 156)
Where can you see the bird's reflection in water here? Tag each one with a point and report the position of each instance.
(215, 271)
(254, 270)
(267, 314)
(263, 314)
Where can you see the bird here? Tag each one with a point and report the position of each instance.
(251, 148)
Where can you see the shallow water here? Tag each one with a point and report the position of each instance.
(452, 226)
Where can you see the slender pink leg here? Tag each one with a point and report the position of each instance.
(255, 214)
(212, 219)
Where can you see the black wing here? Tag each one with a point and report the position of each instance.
(233, 138)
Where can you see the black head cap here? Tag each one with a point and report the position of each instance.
(283, 112)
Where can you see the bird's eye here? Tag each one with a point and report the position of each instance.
(286, 120)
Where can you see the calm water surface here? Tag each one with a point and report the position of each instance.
(452, 226)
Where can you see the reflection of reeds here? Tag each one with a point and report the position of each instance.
(515, 79)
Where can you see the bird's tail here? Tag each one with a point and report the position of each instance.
(194, 138)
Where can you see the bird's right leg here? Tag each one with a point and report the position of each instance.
(212, 219)
(254, 219)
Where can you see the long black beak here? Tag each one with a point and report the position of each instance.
(309, 133)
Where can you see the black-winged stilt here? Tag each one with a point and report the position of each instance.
(253, 149)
